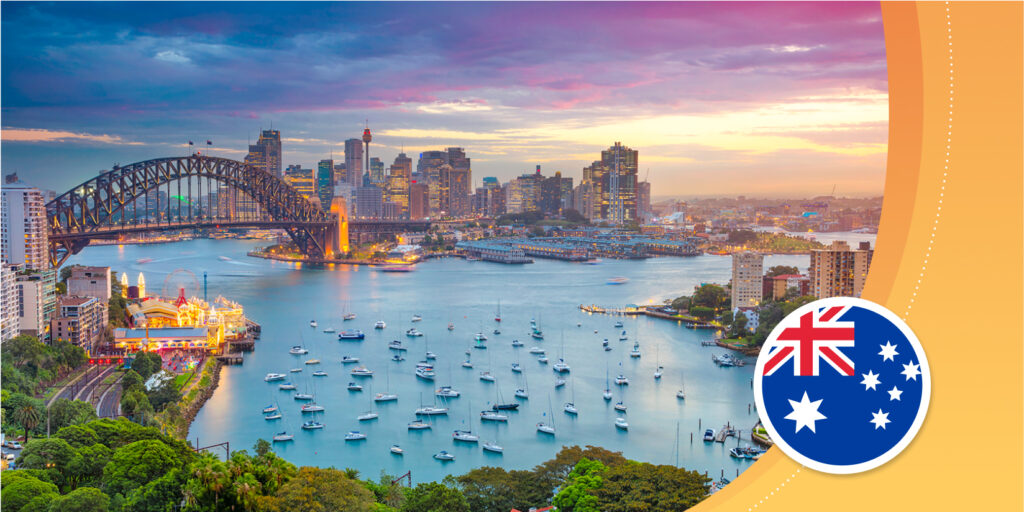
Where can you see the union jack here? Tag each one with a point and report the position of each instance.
(814, 339)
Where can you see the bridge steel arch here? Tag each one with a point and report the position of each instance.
(99, 208)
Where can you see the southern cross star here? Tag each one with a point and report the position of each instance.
(880, 419)
(805, 413)
(870, 380)
(888, 351)
(911, 371)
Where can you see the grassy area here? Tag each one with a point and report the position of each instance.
(181, 380)
(737, 341)
(112, 378)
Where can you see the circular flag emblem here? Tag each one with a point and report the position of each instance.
(842, 385)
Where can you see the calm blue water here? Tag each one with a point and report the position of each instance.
(284, 298)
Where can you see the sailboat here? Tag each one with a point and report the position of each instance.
(681, 394)
(429, 356)
(370, 414)
(497, 314)
(466, 435)
(348, 314)
(387, 396)
(487, 375)
(536, 333)
(570, 407)
(660, 370)
(447, 391)
(501, 405)
(546, 428)
(430, 410)
(607, 389)
(523, 392)
(467, 363)
(561, 366)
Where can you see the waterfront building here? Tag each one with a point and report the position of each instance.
(552, 250)
(89, 282)
(353, 161)
(746, 279)
(10, 324)
(302, 180)
(25, 234)
(613, 185)
(167, 338)
(493, 251)
(80, 321)
(405, 253)
(839, 271)
(325, 182)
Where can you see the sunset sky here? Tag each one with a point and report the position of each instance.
(727, 98)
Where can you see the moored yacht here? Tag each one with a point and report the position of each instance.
(351, 335)
(426, 373)
(493, 416)
(287, 386)
(446, 392)
(561, 366)
(491, 446)
(283, 436)
(418, 425)
(313, 407)
(619, 406)
(385, 397)
(298, 350)
(570, 408)
(636, 350)
(621, 424)
(466, 436)
(443, 455)
(355, 435)
(396, 345)
(367, 416)
(319, 373)
(352, 386)
(380, 324)
(362, 371)
(622, 380)
(273, 376)
(486, 376)
(417, 318)
(302, 396)
(349, 359)
(430, 410)
(269, 409)
(413, 333)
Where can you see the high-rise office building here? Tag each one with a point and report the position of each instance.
(419, 200)
(25, 234)
(377, 176)
(266, 153)
(429, 169)
(10, 324)
(838, 271)
(325, 182)
(353, 161)
(643, 200)
(523, 194)
(747, 279)
(369, 202)
(302, 180)
(555, 192)
(397, 187)
(613, 184)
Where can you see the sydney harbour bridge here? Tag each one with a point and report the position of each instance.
(172, 194)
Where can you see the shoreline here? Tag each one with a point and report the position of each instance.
(320, 261)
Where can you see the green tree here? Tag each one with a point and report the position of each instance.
(159, 495)
(637, 486)
(711, 296)
(20, 488)
(573, 495)
(138, 463)
(146, 364)
(681, 303)
(78, 435)
(316, 489)
(434, 497)
(66, 412)
(50, 455)
(781, 270)
(574, 216)
(262, 447)
(702, 312)
(487, 488)
(742, 236)
(131, 381)
(28, 417)
(83, 499)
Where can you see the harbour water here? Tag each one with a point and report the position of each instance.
(284, 297)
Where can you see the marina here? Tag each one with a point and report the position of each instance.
(287, 298)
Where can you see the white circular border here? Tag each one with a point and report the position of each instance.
(926, 387)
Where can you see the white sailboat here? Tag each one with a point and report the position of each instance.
(657, 358)
(681, 394)
(387, 396)
(544, 427)
(607, 389)
(466, 435)
(370, 414)
(570, 407)
(523, 392)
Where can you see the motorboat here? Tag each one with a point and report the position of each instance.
(269, 409)
(362, 371)
(398, 358)
(466, 436)
(367, 416)
(302, 396)
(659, 372)
(430, 356)
(319, 373)
(607, 348)
(451, 326)
(417, 318)
(446, 392)
(424, 365)
(618, 280)
(330, 330)
(505, 407)
(537, 335)
(349, 359)
(517, 343)
(621, 424)
(429, 410)
(397, 450)
(351, 335)
(623, 336)
(607, 394)
(443, 455)
(709, 435)
(636, 350)
(559, 383)
(480, 337)
(287, 386)
(619, 406)
(545, 428)
(486, 376)
(561, 366)
(385, 397)
(413, 333)
(380, 324)
(681, 394)
(313, 361)
(313, 407)
(467, 364)
(622, 380)
(396, 345)
(493, 416)
(275, 416)
(419, 425)
(282, 436)
(522, 393)
(618, 325)
(298, 350)
(355, 435)
(295, 370)
(537, 350)
(491, 446)
(352, 386)
(570, 408)
(426, 374)
(273, 376)
(542, 359)
(497, 332)
(516, 368)
(312, 323)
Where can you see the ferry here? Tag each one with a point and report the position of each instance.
(355, 435)
(362, 371)
(282, 436)
(380, 324)
(419, 425)
(351, 335)
(312, 408)
(287, 386)
(443, 455)
(621, 424)
(493, 416)
(298, 350)
(618, 280)
(396, 268)
(447, 392)
(430, 410)
(349, 359)
(273, 376)
(385, 397)
(352, 386)
(397, 450)
(413, 333)
(466, 436)
(491, 446)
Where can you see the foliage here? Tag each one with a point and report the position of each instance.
(146, 364)
(741, 236)
(137, 464)
(28, 417)
(574, 216)
(20, 488)
(711, 296)
(317, 489)
(574, 495)
(83, 499)
(781, 270)
(64, 413)
(525, 218)
(434, 497)
(639, 486)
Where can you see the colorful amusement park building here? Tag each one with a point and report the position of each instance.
(156, 324)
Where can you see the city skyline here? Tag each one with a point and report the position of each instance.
(718, 103)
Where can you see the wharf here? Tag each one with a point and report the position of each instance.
(724, 432)
(231, 358)
(640, 310)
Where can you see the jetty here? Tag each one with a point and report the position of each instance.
(653, 311)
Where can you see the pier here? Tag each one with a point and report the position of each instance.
(232, 358)
(689, 321)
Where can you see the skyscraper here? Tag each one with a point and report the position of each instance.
(325, 182)
(266, 153)
(397, 189)
(369, 202)
(419, 200)
(613, 184)
(838, 271)
(10, 324)
(376, 171)
(747, 279)
(302, 180)
(353, 161)
(25, 234)
(643, 200)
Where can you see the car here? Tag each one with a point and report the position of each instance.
(14, 445)
(9, 457)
